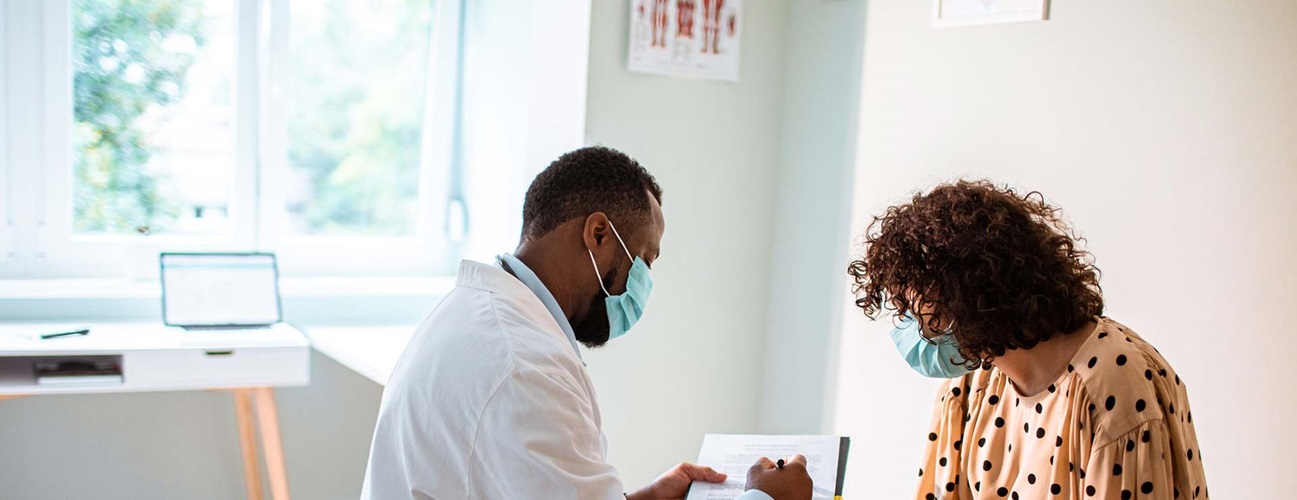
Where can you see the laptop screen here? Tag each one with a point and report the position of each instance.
(219, 289)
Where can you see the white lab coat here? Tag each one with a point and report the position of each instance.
(489, 401)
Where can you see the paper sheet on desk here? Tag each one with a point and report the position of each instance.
(733, 454)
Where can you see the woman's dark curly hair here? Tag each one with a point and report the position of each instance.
(1004, 268)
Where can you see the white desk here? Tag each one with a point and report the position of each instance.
(246, 363)
(371, 351)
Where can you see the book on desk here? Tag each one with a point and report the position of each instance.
(78, 371)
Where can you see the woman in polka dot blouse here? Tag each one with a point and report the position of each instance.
(1056, 401)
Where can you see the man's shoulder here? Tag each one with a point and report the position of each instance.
(475, 326)
(458, 344)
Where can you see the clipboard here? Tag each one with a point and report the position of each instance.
(843, 450)
(732, 454)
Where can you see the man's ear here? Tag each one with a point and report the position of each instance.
(596, 231)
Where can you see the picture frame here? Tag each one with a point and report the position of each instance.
(694, 39)
(960, 13)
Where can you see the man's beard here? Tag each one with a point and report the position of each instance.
(593, 331)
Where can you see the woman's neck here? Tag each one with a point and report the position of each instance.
(1032, 370)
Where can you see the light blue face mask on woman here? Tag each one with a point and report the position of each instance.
(625, 309)
(937, 359)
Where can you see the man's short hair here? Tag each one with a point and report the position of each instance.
(585, 181)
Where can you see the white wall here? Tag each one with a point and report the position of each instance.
(695, 364)
(1165, 129)
(813, 212)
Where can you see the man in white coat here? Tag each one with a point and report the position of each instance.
(491, 399)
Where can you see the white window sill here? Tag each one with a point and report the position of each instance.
(291, 287)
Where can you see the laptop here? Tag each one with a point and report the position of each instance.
(217, 291)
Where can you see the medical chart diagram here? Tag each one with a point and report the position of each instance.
(687, 38)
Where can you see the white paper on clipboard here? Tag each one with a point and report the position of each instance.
(733, 454)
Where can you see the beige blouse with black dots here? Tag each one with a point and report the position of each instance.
(1115, 425)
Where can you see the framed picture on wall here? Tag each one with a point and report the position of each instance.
(686, 38)
(956, 13)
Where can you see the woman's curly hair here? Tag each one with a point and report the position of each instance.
(1004, 270)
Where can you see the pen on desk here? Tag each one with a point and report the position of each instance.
(47, 336)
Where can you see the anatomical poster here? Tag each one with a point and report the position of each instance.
(687, 38)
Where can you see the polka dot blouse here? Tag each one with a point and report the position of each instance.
(1116, 425)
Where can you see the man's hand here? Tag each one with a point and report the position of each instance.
(789, 483)
(674, 484)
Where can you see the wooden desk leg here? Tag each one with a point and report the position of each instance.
(271, 445)
(248, 441)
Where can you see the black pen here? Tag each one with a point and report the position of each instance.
(48, 336)
(779, 464)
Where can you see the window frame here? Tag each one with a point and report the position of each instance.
(256, 213)
(429, 251)
(67, 254)
(23, 119)
(8, 247)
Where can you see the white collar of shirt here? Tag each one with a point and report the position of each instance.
(527, 277)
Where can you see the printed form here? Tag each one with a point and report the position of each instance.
(733, 454)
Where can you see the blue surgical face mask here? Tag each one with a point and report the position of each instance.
(937, 359)
(625, 309)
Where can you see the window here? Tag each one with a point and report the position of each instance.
(354, 113)
(320, 130)
(153, 116)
